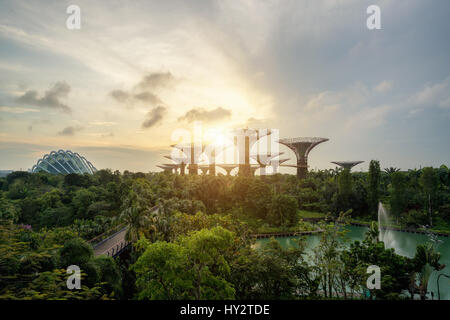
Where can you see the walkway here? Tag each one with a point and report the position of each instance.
(113, 245)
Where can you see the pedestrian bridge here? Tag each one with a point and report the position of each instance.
(112, 243)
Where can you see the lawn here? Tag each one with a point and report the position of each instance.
(310, 214)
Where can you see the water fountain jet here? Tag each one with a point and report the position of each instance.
(385, 234)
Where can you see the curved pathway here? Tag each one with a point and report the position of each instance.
(112, 245)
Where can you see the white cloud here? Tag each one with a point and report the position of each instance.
(432, 95)
(384, 86)
(269, 59)
(445, 103)
(14, 67)
(347, 100)
(18, 110)
(366, 118)
(102, 123)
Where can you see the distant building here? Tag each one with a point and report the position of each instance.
(64, 162)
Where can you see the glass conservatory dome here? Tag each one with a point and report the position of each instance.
(64, 162)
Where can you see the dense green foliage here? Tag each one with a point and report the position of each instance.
(197, 243)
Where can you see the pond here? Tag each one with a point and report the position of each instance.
(405, 244)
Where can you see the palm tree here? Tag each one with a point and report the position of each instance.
(136, 220)
(373, 232)
(136, 213)
(426, 261)
(391, 170)
(163, 219)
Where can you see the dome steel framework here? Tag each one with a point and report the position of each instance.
(64, 162)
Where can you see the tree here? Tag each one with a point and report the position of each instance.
(208, 189)
(136, 220)
(425, 262)
(398, 198)
(257, 202)
(75, 251)
(51, 285)
(137, 210)
(345, 183)
(76, 180)
(372, 234)
(285, 273)
(189, 206)
(373, 190)
(56, 236)
(246, 274)
(8, 211)
(429, 182)
(18, 189)
(207, 250)
(326, 258)
(28, 268)
(195, 267)
(444, 175)
(163, 221)
(81, 201)
(395, 269)
(283, 211)
(343, 200)
(110, 276)
(161, 272)
(391, 170)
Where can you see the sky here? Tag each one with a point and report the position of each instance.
(118, 88)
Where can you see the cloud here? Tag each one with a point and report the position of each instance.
(120, 95)
(101, 134)
(341, 113)
(147, 97)
(154, 117)
(37, 122)
(102, 123)
(51, 98)
(255, 123)
(144, 90)
(437, 94)
(368, 118)
(200, 114)
(445, 103)
(69, 131)
(107, 135)
(156, 80)
(17, 110)
(383, 86)
(220, 54)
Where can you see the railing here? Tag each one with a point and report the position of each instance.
(111, 233)
(96, 240)
(439, 276)
(284, 234)
(116, 250)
